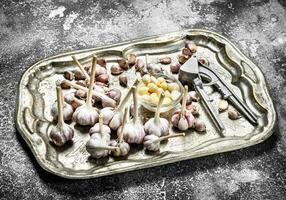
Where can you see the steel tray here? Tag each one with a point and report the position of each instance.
(37, 93)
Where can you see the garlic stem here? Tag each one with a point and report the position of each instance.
(184, 103)
(126, 97)
(135, 101)
(146, 59)
(157, 114)
(91, 83)
(60, 104)
(169, 136)
(81, 67)
(126, 111)
(107, 148)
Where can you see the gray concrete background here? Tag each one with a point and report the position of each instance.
(33, 29)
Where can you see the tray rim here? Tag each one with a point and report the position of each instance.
(154, 163)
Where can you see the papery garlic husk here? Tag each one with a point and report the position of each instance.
(222, 105)
(123, 150)
(114, 94)
(67, 111)
(60, 134)
(107, 114)
(199, 126)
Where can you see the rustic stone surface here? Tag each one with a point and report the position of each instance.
(33, 29)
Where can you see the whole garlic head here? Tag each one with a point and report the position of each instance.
(60, 134)
(97, 147)
(157, 126)
(123, 148)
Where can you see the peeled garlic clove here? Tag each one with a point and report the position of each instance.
(67, 111)
(193, 96)
(187, 52)
(123, 80)
(174, 68)
(199, 126)
(116, 69)
(115, 94)
(131, 59)
(222, 105)
(182, 58)
(103, 78)
(60, 134)
(68, 75)
(233, 114)
(204, 61)
(85, 115)
(165, 60)
(107, 114)
(122, 62)
(191, 46)
(150, 143)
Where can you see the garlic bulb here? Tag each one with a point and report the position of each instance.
(67, 111)
(107, 114)
(101, 129)
(133, 131)
(123, 146)
(152, 142)
(157, 126)
(62, 132)
(117, 118)
(97, 147)
(86, 114)
(183, 119)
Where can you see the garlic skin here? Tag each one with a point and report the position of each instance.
(62, 132)
(157, 126)
(86, 114)
(133, 132)
(183, 119)
(152, 142)
(67, 111)
(107, 114)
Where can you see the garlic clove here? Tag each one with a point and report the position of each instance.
(123, 80)
(78, 75)
(183, 124)
(222, 105)
(81, 83)
(204, 61)
(174, 68)
(191, 46)
(190, 119)
(68, 75)
(80, 94)
(199, 126)
(68, 98)
(233, 114)
(187, 52)
(103, 78)
(98, 71)
(122, 62)
(107, 114)
(76, 103)
(114, 94)
(194, 108)
(175, 119)
(116, 70)
(108, 102)
(131, 59)
(182, 58)
(64, 85)
(116, 121)
(165, 61)
(139, 65)
(101, 62)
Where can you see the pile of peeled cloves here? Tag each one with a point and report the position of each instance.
(95, 103)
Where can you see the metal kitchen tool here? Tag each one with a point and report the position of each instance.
(194, 73)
